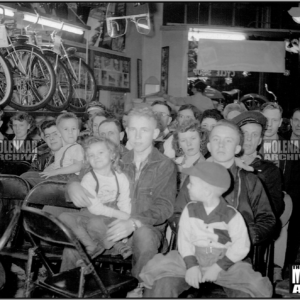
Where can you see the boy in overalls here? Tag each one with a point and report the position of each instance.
(69, 159)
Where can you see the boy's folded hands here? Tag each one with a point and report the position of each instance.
(211, 273)
(194, 276)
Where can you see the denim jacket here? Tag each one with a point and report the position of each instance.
(153, 193)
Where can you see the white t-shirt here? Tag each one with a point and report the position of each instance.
(107, 193)
(72, 152)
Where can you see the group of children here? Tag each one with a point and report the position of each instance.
(213, 237)
(105, 182)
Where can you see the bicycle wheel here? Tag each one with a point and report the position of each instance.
(6, 82)
(63, 91)
(33, 78)
(83, 83)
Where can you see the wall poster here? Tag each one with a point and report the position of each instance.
(117, 103)
(112, 72)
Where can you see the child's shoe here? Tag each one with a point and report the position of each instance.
(137, 292)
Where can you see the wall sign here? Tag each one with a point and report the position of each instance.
(251, 56)
(219, 73)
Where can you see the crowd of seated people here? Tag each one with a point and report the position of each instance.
(131, 174)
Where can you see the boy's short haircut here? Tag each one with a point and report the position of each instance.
(211, 113)
(47, 124)
(112, 120)
(146, 112)
(271, 105)
(66, 116)
(197, 113)
(160, 102)
(233, 126)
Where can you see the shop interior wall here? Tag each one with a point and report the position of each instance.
(178, 65)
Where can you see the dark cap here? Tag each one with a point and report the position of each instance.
(210, 172)
(200, 85)
(250, 117)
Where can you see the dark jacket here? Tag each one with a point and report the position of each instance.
(153, 194)
(290, 169)
(272, 180)
(248, 196)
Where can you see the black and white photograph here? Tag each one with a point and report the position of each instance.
(150, 150)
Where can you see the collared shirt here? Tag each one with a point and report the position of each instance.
(139, 170)
(17, 143)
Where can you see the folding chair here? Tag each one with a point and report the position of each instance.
(13, 190)
(15, 167)
(46, 193)
(6, 238)
(80, 282)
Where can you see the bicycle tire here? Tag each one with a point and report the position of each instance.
(63, 91)
(81, 97)
(6, 82)
(31, 91)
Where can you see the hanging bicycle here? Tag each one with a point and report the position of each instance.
(32, 74)
(83, 82)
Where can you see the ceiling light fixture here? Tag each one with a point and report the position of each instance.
(37, 19)
(8, 12)
(196, 35)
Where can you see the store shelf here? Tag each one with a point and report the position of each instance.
(41, 113)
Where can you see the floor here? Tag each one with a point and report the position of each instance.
(15, 279)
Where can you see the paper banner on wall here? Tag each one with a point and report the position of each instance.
(251, 56)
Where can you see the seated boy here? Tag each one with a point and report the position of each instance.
(212, 241)
(69, 158)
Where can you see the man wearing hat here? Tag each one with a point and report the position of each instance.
(212, 242)
(198, 99)
(253, 124)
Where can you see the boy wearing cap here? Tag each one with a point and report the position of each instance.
(212, 241)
